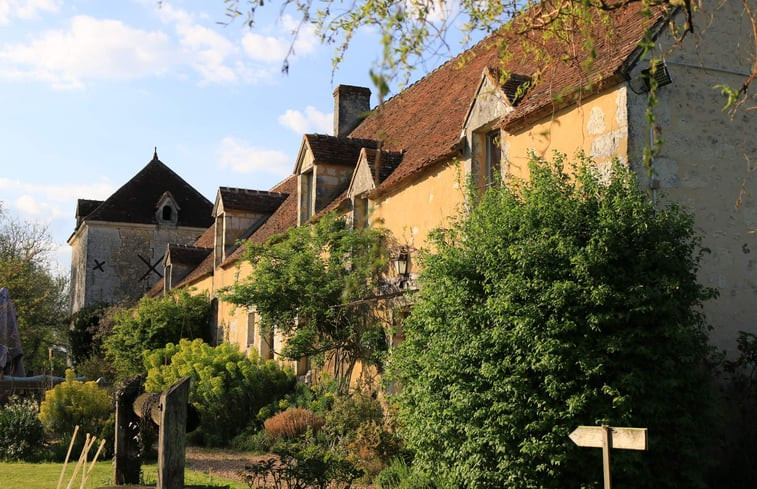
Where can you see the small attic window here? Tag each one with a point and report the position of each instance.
(167, 210)
(515, 88)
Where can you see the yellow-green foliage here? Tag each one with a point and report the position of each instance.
(72, 403)
(228, 388)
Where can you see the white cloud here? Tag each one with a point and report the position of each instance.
(29, 206)
(60, 193)
(90, 49)
(264, 48)
(311, 120)
(274, 48)
(242, 158)
(207, 51)
(106, 49)
(26, 9)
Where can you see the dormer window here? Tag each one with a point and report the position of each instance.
(307, 199)
(493, 156)
(359, 212)
(167, 210)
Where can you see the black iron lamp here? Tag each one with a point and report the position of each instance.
(400, 262)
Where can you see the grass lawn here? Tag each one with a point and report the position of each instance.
(45, 476)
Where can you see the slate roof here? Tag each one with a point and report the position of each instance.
(136, 200)
(84, 207)
(258, 201)
(188, 255)
(427, 118)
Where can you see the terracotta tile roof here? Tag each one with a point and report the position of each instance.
(259, 201)
(205, 268)
(389, 160)
(156, 290)
(337, 151)
(207, 239)
(136, 200)
(423, 124)
(426, 119)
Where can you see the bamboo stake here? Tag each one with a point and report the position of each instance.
(68, 454)
(85, 475)
(87, 445)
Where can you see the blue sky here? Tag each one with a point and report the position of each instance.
(89, 87)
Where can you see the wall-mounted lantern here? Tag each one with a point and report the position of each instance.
(400, 262)
(659, 73)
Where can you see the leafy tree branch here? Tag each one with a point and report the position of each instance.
(309, 285)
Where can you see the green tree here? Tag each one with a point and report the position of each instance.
(314, 286)
(228, 388)
(563, 301)
(152, 324)
(83, 335)
(39, 295)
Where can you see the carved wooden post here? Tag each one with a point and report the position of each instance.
(172, 434)
(127, 466)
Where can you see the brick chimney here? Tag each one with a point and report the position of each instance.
(351, 105)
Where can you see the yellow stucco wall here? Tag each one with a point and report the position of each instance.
(598, 126)
(422, 205)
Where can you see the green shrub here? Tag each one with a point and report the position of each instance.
(21, 432)
(153, 323)
(252, 440)
(228, 388)
(73, 403)
(568, 300)
(302, 462)
(349, 412)
(400, 475)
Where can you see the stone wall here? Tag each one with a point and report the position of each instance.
(113, 261)
(708, 160)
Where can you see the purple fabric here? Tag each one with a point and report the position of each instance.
(11, 353)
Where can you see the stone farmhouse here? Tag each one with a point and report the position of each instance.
(405, 163)
(118, 244)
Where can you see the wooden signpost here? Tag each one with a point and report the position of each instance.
(169, 412)
(608, 437)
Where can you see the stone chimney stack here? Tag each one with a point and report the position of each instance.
(351, 104)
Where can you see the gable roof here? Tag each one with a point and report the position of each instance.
(186, 254)
(246, 200)
(375, 166)
(136, 200)
(426, 119)
(333, 150)
(84, 207)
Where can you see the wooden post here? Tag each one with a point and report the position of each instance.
(127, 465)
(171, 437)
(606, 446)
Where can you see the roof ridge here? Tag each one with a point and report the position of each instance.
(252, 191)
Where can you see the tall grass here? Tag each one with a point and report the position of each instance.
(45, 476)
